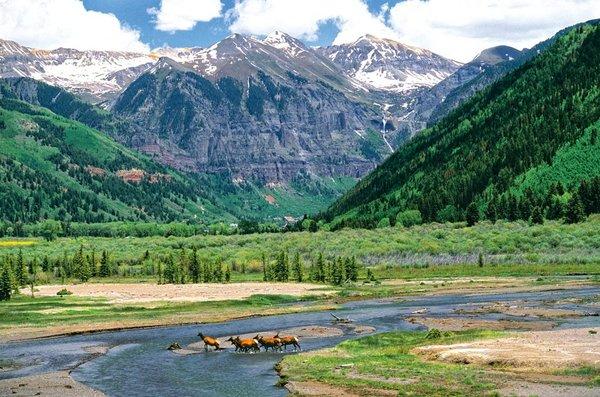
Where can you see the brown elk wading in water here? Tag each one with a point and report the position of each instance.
(210, 341)
(273, 343)
(288, 340)
(244, 345)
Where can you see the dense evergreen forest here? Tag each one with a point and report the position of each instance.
(526, 148)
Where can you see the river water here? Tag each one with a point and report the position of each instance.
(138, 363)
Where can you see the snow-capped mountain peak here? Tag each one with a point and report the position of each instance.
(95, 75)
(285, 42)
(388, 65)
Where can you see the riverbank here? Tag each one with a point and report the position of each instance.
(50, 384)
(141, 356)
(546, 346)
(104, 307)
(466, 363)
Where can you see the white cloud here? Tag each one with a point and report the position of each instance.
(50, 24)
(302, 18)
(460, 29)
(176, 15)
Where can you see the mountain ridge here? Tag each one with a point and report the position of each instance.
(473, 156)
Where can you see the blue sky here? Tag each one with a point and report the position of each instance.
(457, 29)
(134, 13)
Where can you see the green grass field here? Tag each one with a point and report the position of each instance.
(384, 362)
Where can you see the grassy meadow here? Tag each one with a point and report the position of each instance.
(384, 362)
(432, 250)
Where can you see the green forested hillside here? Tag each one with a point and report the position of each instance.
(250, 200)
(56, 168)
(527, 144)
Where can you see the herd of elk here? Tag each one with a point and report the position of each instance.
(275, 343)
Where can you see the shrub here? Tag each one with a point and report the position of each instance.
(64, 292)
(409, 218)
(384, 222)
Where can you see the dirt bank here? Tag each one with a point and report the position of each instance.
(520, 309)
(51, 384)
(535, 352)
(149, 292)
(464, 323)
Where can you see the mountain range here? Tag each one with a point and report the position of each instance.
(279, 127)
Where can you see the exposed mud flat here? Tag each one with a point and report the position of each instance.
(521, 309)
(527, 389)
(466, 323)
(139, 293)
(536, 352)
(50, 384)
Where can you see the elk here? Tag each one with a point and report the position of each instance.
(210, 341)
(288, 340)
(244, 345)
(235, 342)
(273, 343)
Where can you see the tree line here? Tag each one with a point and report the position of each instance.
(178, 267)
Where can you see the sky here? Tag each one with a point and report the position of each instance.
(457, 29)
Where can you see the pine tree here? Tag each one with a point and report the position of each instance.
(195, 267)
(33, 266)
(491, 213)
(45, 264)
(207, 273)
(6, 281)
(160, 273)
(370, 275)
(218, 272)
(263, 264)
(171, 273)
(320, 268)
(227, 274)
(351, 269)
(21, 269)
(575, 212)
(513, 212)
(183, 266)
(93, 263)
(80, 265)
(297, 268)
(337, 275)
(280, 267)
(313, 274)
(472, 214)
(536, 216)
(104, 265)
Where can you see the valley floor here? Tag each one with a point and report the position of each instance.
(113, 306)
(520, 347)
(474, 353)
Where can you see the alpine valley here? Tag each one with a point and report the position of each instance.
(263, 126)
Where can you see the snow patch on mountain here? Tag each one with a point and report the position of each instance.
(388, 65)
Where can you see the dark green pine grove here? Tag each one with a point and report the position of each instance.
(526, 148)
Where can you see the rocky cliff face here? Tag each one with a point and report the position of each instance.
(249, 123)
